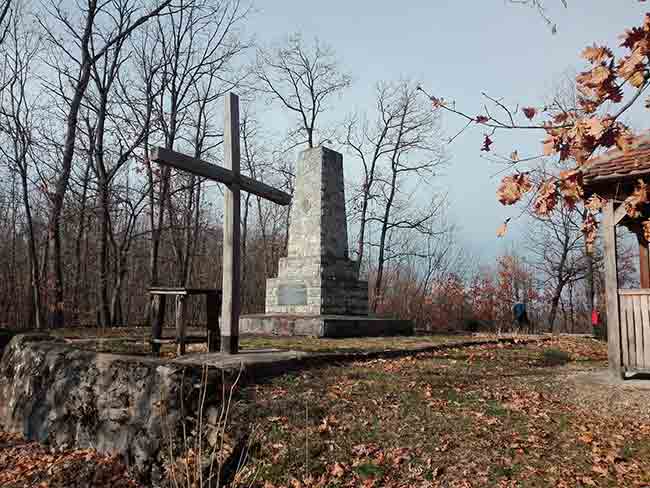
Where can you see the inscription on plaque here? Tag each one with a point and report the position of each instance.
(292, 294)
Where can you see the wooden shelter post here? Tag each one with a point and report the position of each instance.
(181, 324)
(611, 288)
(644, 260)
(213, 310)
(157, 319)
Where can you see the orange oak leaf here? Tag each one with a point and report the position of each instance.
(503, 228)
(595, 126)
(571, 187)
(512, 188)
(597, 54)
(337, 470)
(587, 105)
(634, 202)
(546, 198)
(632, 37)
(632, 68)
(561, 118)
(595, 204)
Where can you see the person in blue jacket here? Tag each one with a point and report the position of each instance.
(521, 317)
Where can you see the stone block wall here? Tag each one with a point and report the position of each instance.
(57, 394)
(318, 222)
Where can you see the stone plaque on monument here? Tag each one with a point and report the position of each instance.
(292, 294)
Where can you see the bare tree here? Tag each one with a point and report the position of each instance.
(558, 254)
(301, 78)
(81, 49)
(80, 259)
(435, 257)
(17, 126)
(398, 155)
(8, 9)
(130, 209)
(370, 142)
(193, 47)
(119, 120)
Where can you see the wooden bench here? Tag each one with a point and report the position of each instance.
(213, 311)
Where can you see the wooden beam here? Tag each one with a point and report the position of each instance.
(231, 231)
(619, 214)
(213, 310)
(157, 319)
(181, 324)
(644, 261)
(611, 289)
(213, 172)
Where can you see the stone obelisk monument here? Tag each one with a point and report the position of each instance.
(318, 291)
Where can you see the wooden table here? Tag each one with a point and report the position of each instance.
(212, 308)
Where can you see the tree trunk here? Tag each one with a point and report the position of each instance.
(387, 210)
(590, 285)
(33, 258)
(77, 243)
(103, 263)
(554, 304)
(56, 304)
(382, 245)
(116, 313)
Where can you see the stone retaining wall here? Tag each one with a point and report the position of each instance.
(66, 397)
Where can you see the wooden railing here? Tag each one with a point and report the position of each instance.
(635, 328)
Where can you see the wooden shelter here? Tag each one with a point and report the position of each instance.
(614, 176)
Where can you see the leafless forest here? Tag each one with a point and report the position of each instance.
(88, 223)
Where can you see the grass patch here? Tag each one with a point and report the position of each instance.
(369, 470)
(555, 357)
(495, 409)
(508, 472)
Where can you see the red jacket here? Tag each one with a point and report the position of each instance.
(595, 317)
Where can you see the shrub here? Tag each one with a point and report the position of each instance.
(555, 357)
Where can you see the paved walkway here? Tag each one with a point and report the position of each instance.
(245, 358)
(271, 358)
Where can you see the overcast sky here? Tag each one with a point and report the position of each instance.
(457, 49)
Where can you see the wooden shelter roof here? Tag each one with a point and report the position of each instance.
(617, 165)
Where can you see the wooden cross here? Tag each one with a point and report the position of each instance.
(235, 182)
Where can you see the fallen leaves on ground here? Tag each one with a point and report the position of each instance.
(488, 415)
(29, 464)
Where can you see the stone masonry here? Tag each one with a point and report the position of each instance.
(317, 277)
(318, 292)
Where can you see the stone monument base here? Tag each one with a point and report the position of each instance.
(335, 326)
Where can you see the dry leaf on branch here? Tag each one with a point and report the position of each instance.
(529, 112)
(503, 228)
(513, 187)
